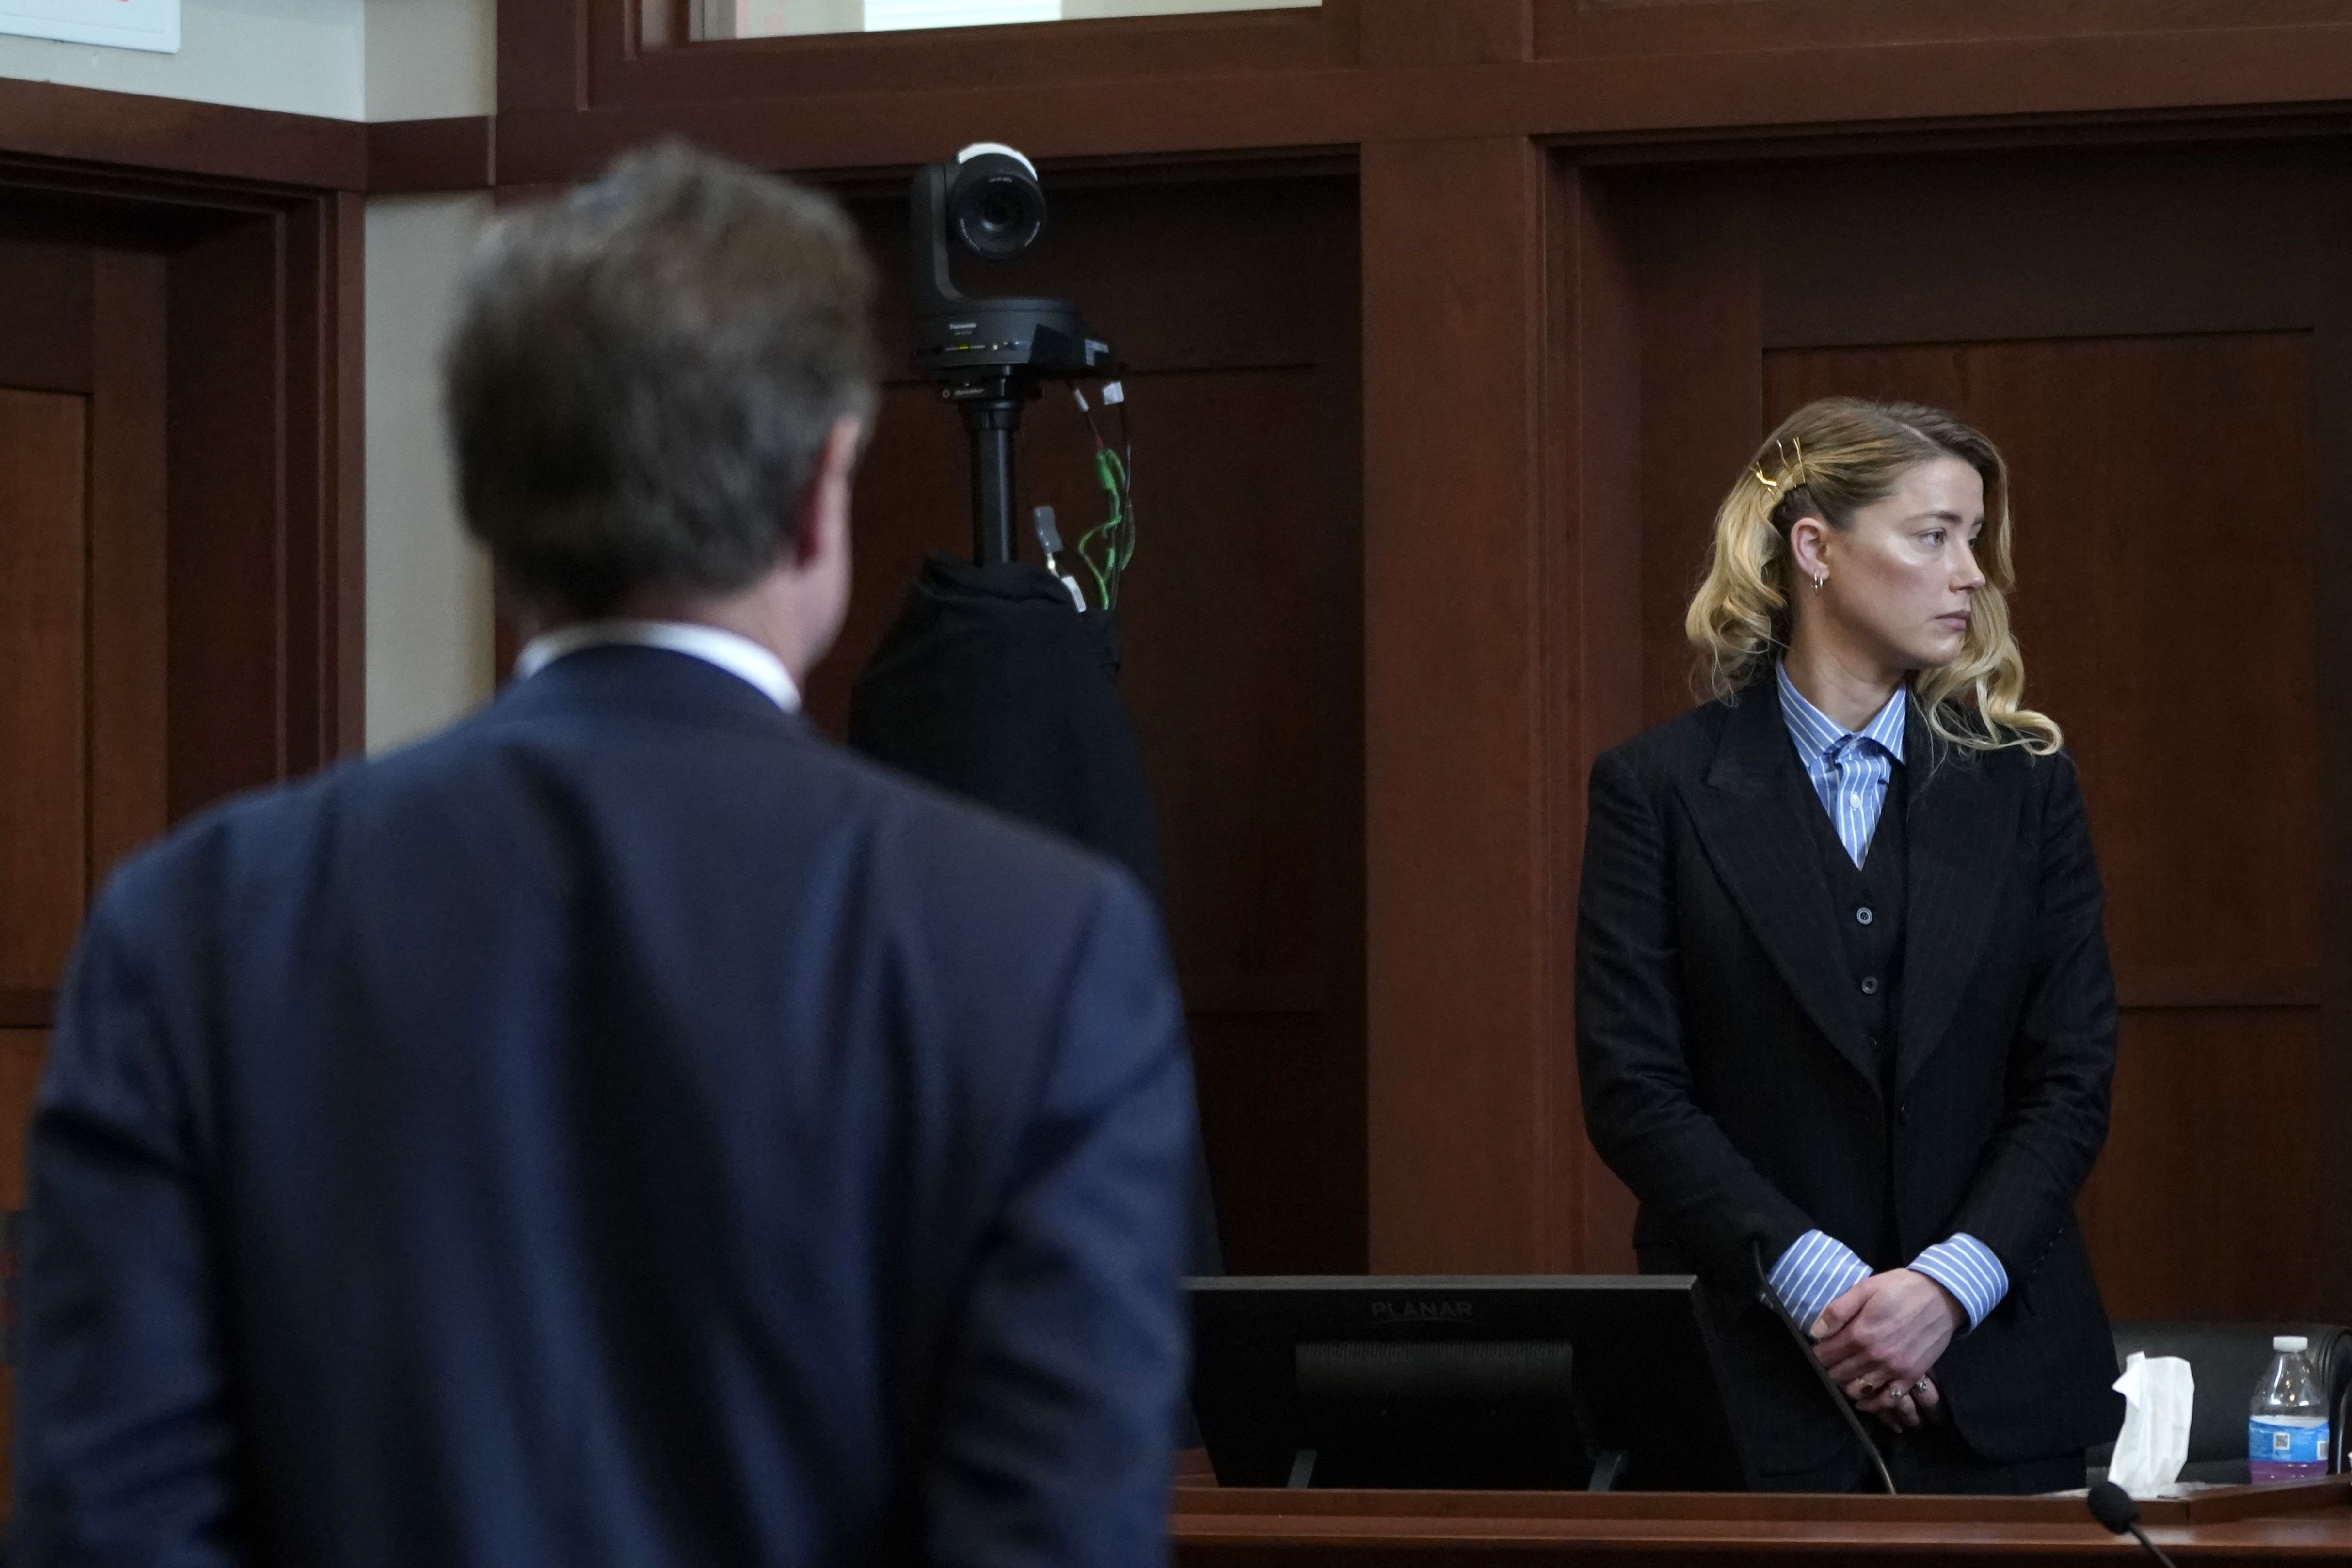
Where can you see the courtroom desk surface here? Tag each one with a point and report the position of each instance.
(1234, 1526)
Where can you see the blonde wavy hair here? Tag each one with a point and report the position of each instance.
(1827, 460)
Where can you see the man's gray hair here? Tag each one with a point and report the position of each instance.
(644, 374)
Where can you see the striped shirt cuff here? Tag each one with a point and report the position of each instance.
(1965, 1267)
(1815, 1271)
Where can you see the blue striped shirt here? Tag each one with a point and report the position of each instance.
(1849, 770)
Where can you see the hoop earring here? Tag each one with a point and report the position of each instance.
(1819, 578)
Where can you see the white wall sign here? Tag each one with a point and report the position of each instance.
(120, 23)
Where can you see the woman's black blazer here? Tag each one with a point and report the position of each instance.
(1727, 1080)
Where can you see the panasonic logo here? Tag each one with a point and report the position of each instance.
(1422, 1311)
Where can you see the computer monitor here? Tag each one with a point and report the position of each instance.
(1526, 1382)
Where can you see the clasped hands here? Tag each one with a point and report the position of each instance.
(1879, 1338)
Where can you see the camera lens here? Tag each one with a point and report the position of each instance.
(998, 214)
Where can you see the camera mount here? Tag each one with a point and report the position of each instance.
(989, 356)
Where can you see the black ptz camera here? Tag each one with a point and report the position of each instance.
(987, 200)
(995, 203)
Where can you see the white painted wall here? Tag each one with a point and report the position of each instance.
(428, 587)
(304, 56)
(431, 59)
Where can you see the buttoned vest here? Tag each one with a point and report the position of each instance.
(1869, 918)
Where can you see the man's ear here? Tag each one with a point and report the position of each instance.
(821, 527)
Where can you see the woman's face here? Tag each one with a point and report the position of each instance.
(1898, 584)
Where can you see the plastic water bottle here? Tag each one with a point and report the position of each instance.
(2287, 1435)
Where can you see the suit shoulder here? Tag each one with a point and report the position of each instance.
(2037, 773)
(1673, 750)
(203, 851)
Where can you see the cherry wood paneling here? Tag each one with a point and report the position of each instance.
(1459, 584)
(1234, 301)
(23, 1054)
(1593, 478)
(1413, 32)
(226, 686)
(44, 316)
(127, 556)
(260, 516)
(44, 801)
(2209, 1200)
(576, 86)
(128, 131)
(1610, 27)
(1170, 50)
(187, 624)
(408, 156)
(1701, 398)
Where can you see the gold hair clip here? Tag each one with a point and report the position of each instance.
(1791, 473)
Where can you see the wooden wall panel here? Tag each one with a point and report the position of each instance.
(23, 1053)
(44, 316)
(1616, 27)
(2210, 1200)
(44, 803)
(128, 524)
(1461, 565)
(152, 631)
(1592, 478)
(228, 504)
(1179, 50)
(1420, 32)
(202, 145)
(1698, 250)
(1635, 77)
(1239, 629)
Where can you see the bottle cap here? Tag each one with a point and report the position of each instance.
(2294, 1343)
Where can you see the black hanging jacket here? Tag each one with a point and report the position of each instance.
(993, 684)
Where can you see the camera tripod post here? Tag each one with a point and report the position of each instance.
(991, 407)
(989, 355)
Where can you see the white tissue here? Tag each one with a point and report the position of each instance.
(2158, 1398)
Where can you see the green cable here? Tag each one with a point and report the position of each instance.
(1120, 548)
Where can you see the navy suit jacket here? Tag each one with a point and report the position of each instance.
(624, 1129)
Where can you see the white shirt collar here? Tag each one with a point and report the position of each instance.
(738, 656)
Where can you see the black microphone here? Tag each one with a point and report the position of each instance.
(2112, 1507)
(1771, 1299)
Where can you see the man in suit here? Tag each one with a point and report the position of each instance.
(626, 1128)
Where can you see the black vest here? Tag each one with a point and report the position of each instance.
(1869, 918)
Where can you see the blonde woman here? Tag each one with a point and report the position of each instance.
(1844, 1017)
